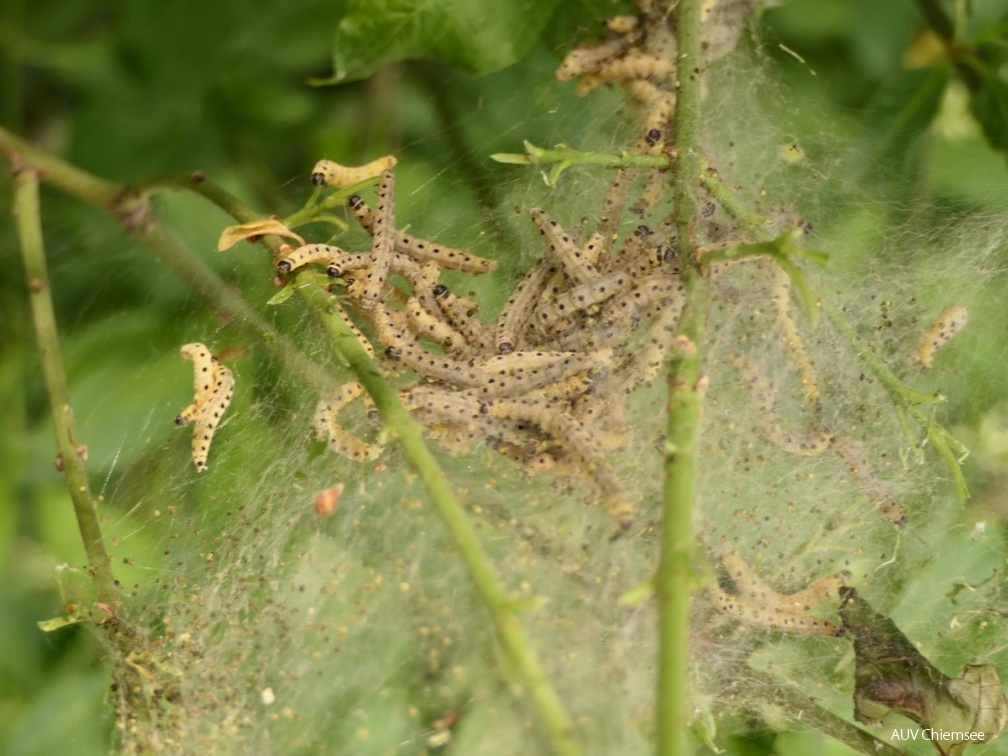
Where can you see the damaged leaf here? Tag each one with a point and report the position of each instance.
(892, 677)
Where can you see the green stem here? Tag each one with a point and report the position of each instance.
(727, 199)
(108, 610)
(58, 172)
(675, 577)
(510, 632)
(906, 398)
(71, 452)
(567, 156)
(896, 388)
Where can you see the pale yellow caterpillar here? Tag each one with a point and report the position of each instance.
(382, 241)
(612, 208)
(588, 58)
(324, 254)
(949, 322)
(580, 298)
(460, 313)
(655, 185)
(757, 614)
(757, 604)
(761, 394)
(640, 301)
(860, 468)
(425, 324)
(328, 173)
(519, 306)
(749, 583)
(204, 374)
(790, 337)
(213, 386)
(622, 24)
(361, 338)
(647, 360)
(455, 407)
(421, 250)
(563, 249)
(634, 65)
(326, 424)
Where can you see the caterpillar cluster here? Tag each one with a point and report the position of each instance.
(213, 387)
(594, 317)
(535, 384)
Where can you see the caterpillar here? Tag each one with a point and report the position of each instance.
(204, 373)
(328, 173)
(213, 386)
(635, 65)
(612, 206)
(421, 250)
(655, 184)
(309, 253)
(358, 334)
(460, 312)
(587, 58)
(790, 337)
(757, 604)
(860, 468)
(426, 324)
(757, 614)
(748, 582)
(622, 24)
(520, 304)
(647, 360)
(761, 394)
(382, 241)
(581, 298)
(563, 249)
(949, 322)
(326, 424)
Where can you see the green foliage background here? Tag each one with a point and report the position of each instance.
(134, 90)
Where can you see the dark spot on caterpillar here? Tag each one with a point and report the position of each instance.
(393, 353)
(653, 137)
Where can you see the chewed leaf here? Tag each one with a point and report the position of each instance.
(892, 677)
(234, 234)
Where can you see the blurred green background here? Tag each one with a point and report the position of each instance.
(134, 90)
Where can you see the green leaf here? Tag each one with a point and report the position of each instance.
(901, 111)
(989, 104)
(479, 37)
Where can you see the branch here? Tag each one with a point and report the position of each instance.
(675, 577)
(107, 611)
(71, 452)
